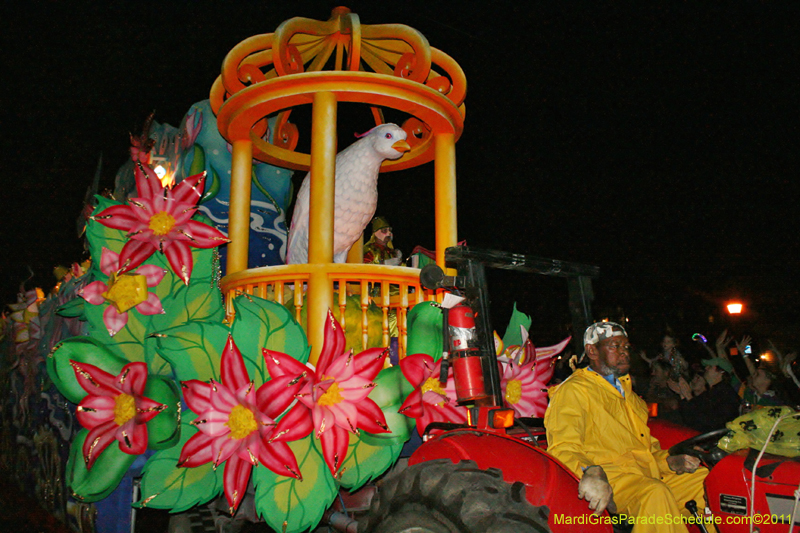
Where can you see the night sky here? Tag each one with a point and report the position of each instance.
(657, 141)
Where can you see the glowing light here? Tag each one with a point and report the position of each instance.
(167, 180)
(735, 308)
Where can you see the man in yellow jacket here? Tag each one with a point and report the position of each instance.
(597, 427)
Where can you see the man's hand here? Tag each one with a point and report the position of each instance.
(680, 388)
(595, 489)
(681, 464)
(740, 346)
(722, 342)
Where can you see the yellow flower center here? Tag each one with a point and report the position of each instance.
(513, 391)
(242, 422)
(433, 384)
(124, 408)
(331, 397)
(126, 291)
(162, 223)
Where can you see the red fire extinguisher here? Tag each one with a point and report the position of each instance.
(464, 355)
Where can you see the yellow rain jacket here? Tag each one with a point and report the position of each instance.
(589, 422)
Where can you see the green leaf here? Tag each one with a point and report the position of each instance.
(389, 395)
(263, 324)
(425, 330)
(81, 350)
(72, 309)
(166, 486)
(513, 336)
(106, 473)
(194, 349)
(365, 461)
(127, 343)
(291, 505)
(163, 430)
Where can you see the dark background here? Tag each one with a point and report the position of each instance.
(658, 141)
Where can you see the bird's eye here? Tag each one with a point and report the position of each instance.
(388, 135)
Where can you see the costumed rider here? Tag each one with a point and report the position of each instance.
(379, 249)
(597, 426)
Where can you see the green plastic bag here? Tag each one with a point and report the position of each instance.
(752, 429)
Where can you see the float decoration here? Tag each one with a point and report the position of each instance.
(82, 364)
(204, 149)
(236, 425)
(334, 394)
(124, 291)
(525, 370)
(178, 489)
(160, 219)
(199, 301)
(198, 351)
(430, 401)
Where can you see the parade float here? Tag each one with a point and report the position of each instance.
(186, 368)
(149, 378)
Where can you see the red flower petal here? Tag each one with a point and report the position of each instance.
(133, 254)
(296, 425)
(95, 410)
(109, 261)
(152, 273)
(114, 320)
(412, 407)
(147, 182)
(279, 458)
(95, 380)
(147, 409)
(275, 396)
(132, 437)
(151, 306)
(234, 373)
(93, 292)
(132, 378)
(235, 478)
(197, 395)
(179, 256)
(279, 364)
(334, 442)
(370, 362)
(190, 190)
(371, 418)
(196, 451)
(98, 440)
(202, 235)
(417, 368)
(332, 345)
(117, 217)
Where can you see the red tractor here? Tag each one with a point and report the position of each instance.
(494, 474)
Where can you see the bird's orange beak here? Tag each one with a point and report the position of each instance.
(401, 146)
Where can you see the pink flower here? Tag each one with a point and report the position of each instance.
(160, 220)
(114, 408)
(334, 394)
(524, 385)
(124, 291)
(236, 425)
(430, 401)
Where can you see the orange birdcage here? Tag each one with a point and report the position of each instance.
(323, 63)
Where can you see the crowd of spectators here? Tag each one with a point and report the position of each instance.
(707, 386)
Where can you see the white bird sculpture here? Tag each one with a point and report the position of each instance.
(356, 196)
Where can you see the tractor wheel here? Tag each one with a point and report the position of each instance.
(442, 497)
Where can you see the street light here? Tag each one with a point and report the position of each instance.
(735, 308)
